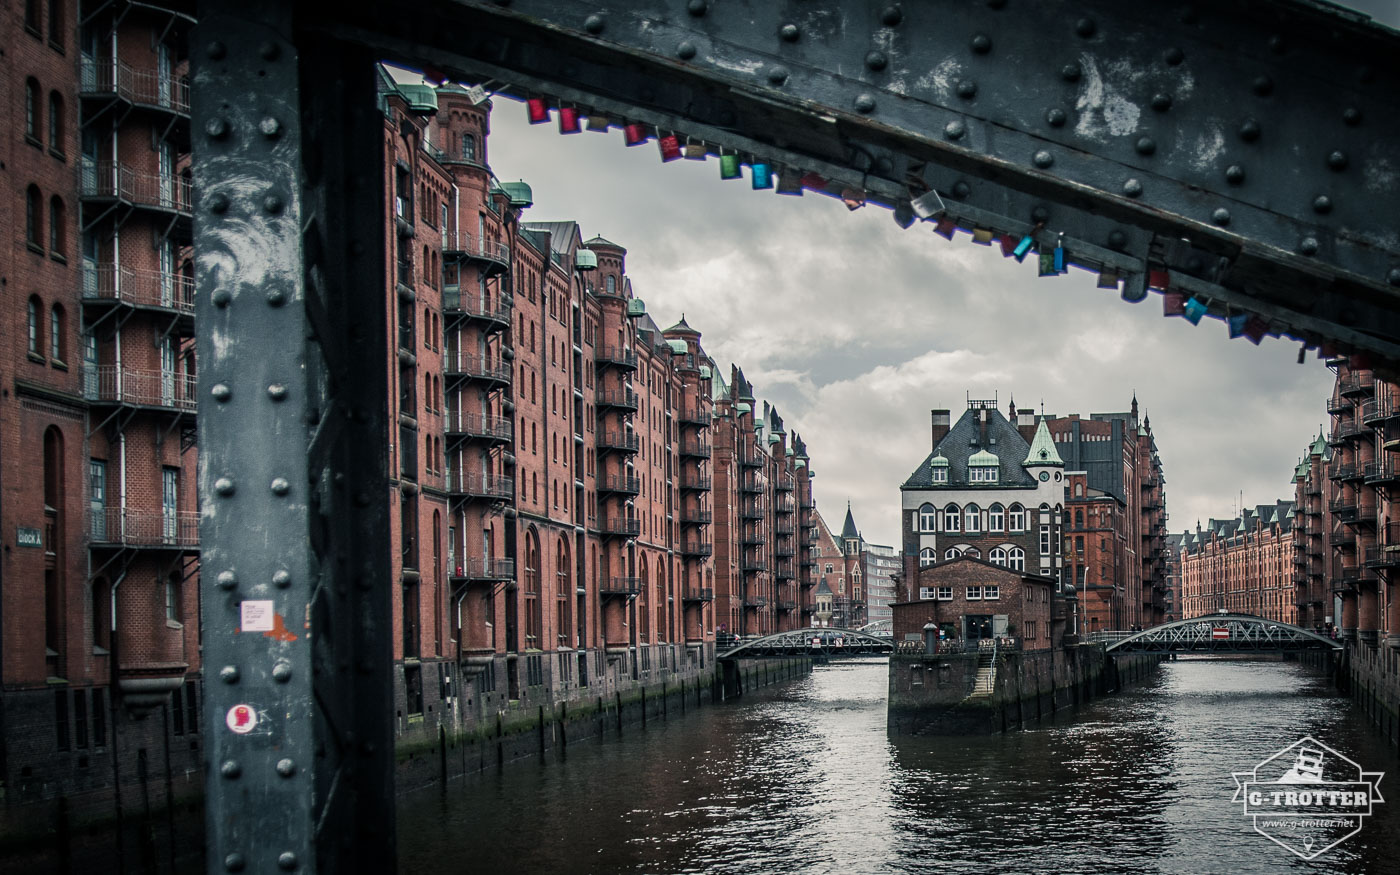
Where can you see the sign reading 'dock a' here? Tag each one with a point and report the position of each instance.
(1307, 797)
(28, 537)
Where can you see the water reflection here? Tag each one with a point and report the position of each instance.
(804, 778)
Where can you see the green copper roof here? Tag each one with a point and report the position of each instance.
(1301, 472)
(678, 347)
(636, 307)
(939, 461)
(420, 98)
(586, 259)
(704, 372)
(1043, 449)
(1319, 447)
(983, 459)
(519, 193)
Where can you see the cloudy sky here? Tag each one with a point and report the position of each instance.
(855, 328)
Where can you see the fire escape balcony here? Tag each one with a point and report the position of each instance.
(619, 442)
(787, 605)
(753, 538)
(140, 387)
(1352, 574)
(784, 571)
(1379, 410)
(620, 483)
(492, 311)
(756, 601)
(1381, 473)
(493, 255)
(752, 566)
(625, 587)
(143, 529)
(480, 486)
(697, 549)
(148, 89)
(784, 529)
(784, 486)
(695, 449)
(481, 570)
(750, 459)
(114, 182)
(616, 356)
(477, 427)
(699, 594)
(1353, 385)
(784, 552)
(1344, 537)
(1343, 511)
(751, 511)
(1339, 471)
(146, 289)
(751, 487)
(695, 481)
(622, 399)
(476, 368)
(1337, 405)
(620, 527)
(698, 418)
(696, 517)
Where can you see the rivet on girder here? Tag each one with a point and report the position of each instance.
(778, 75)
(1234, 174)
(273, 204)
(1394, 276)
(1056, 117)
(277, 392)
(276, 297)
(865, 104)
(1117, 239)
(282, 579)
(227, 580)
(218, 202)
(981, 43)
(282, 672)
(955, 129)
(280, 486)
(230, 769)
(1145, 145)
(1262, 86)
(234, 863)
(287, 861)
(686, 50)
(1352, 116)
(1085, 27)
(1043, 159)
(1161, 101)
(1337, 160)
(1322, 204)
(593, 24)
(224, 486)
(1132, 188)
(697, 8)
(1221, 216)
(269, 51)
(1249, 130)
(229, 674)
(789, 33)
(891, 17)
(286, 768)
(270, 127)
(222, 298)
(876, 60)
(967, 89)
(221, 392)
(216, 128)
(1071, 72)
(1173, 56)
(1308, 246)
(961, 189)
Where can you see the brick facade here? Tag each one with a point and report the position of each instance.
(954, 596)
(1243, 565)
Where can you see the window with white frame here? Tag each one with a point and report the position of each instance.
(940, 475)
(972, 519)
(1016, 519)
(925, 592)
(945, 592)
(952, 553)
(991, 592)
(1016, 559)
(972, 551)
(974, 593)
(983, 474)
(951, 515)
(996, 518)
(928, 518)
(1045, 540)
(998, 556)
(927, 557)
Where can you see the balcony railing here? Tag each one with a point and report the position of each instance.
(1341, 472)
(624, 527)
(480, 485)
(621, 441)
(620, 483)
(623, 398)
(756, 601)
(787, 605)
(693, 480)
(1343, 511)
(751, 487)
(139, 386)
(1356, 384)
(784, 485)
(621, 586)
(1379, 410)
(1337, 405)
(144, 528)
(147, 87)
(108, 179)
(750, 565)
(475, 366)
(478, 425)
(697, 517)
(695, 448)
(463, 244)
(477, 568)
(140, 288)
(753, 539)
(695, 417)
(623, 357)
(700, 594)
(1385, 471)
(697, 548)
(476, 306)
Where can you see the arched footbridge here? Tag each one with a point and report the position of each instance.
(811, 642)
(1220, 633)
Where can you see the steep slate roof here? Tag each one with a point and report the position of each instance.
(561, 234)
(963, 440)
(849, 530)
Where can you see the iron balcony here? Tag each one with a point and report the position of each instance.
(620, 483)
(477, 367)
(620, 527)
(153, 289)
(150, 89)
(702, 594)
(697, 548)
(696, 517)
(1336, 405)
(481, 569)
(1356, 384)
(495, 312)
(621, 442)
(753, 539)
(620, 586)
(695, 417)
(750, 459)
(757, 601)
(148, 529)
(623, 399)
(697, 449)
(751, 488)
(463, 246)
(477, 426)
(139, 387)
(621, 357)
(753, 565)
(476, 485)
(787, 606)
(690, 480)
(113, 181)
(1382, 472)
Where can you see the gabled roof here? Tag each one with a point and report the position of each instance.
(963, 441)
(849, 530)
(1042, 450)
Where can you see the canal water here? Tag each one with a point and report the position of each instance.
(803, 778)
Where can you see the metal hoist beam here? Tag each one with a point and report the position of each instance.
(1242, 153)
(293, 477)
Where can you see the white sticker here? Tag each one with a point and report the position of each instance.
(257, 616)
(476, 94)
(241, 719)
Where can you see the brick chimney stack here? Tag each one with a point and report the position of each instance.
(1025, 423)
(942, 424)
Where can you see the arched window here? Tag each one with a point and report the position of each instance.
(57, 332)
(56, 117)
(1079, 519)
(951, 516)
(973, 552)
(998, 556)
(952, 553)
(56, 225)
(56, 23)
(1016, 519)
(996, 518)
(928, 518)
(36, 309)
(563, 588)
(1016, 559)
(468, 147)
(972, 518)
(533, 618)
(32, 119)
(828, 568)
(926, 557)
(34, 217)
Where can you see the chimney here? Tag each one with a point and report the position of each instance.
(982, 416)
(1025, 423)
(942, 424)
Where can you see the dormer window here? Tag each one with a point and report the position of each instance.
(940, 475)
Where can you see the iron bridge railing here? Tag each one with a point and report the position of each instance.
(1219, 633)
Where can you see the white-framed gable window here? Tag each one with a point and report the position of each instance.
(945, 592)
(951, 515)
(974, 593)
(1016, 519)
(1016, 559)
(972, 519)
(940, 475)
(952, 553)
(928, 518)
(983, 474)
(925, 592)
(991, 592)
(927, 557)
(996, 518)
(998, 556)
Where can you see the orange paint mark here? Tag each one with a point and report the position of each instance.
(279, 630)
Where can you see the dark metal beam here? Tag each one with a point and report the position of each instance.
(292, 434)
(1246, 148)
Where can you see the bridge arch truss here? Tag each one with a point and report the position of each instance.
(1223, 633)
(800, 642)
